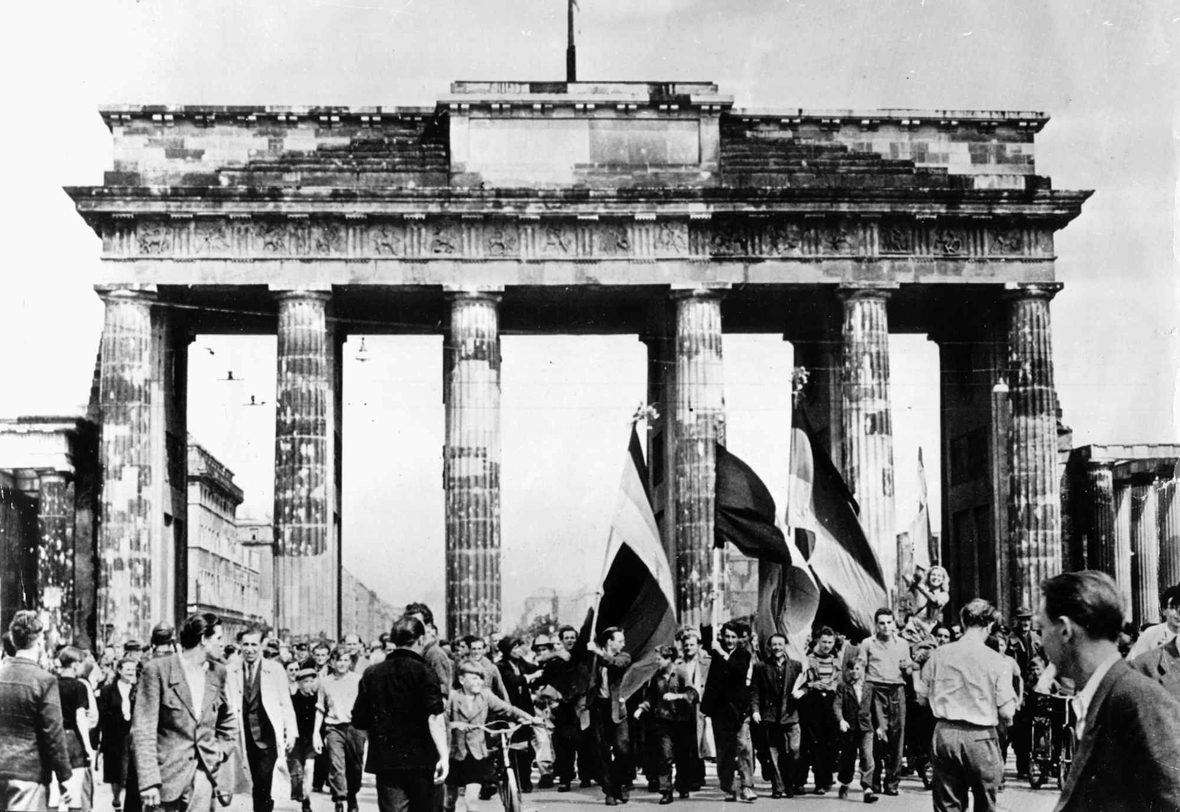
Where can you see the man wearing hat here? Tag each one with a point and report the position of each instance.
(163, 640)
(1022, 647)
(134, 649)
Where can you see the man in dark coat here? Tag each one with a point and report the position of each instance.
(1128, 728)
(32, 739)
(728, 701)
(1162, 665)
(608, 714)
(778, 687)
(400, 703)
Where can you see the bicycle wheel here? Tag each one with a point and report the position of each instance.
(510, 791)
(1036, 774)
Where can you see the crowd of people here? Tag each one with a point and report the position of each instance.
(191, 719)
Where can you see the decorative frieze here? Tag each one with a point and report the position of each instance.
(531, 238)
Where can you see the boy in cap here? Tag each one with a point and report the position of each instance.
(163, 640)
(304, 700)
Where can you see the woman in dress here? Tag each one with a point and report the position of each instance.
(114, 713)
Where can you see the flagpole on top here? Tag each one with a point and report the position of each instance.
(571, 54)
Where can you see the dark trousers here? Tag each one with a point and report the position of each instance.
(919, 727)
(522, 760)
(1020, 734)
(783, 743)
(674, 744)
(735, 752)
(966, 758)
(889, 707)
(262, 772)
(345, 746)
(406, 791)
(572, 747)
(612, 747)
(819, 738)
(852, 744)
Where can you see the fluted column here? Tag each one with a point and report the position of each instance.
(867, 422)
(55, 554)
(306, 559)
(1099, 518)
(471, 464)
(1122, 544)
(1145, 548)
(698, 408)
(1169, 532)
(127, 534)
(1034, 514)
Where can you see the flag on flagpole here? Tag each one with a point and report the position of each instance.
(823, 514)
(920, 535)
(638, 594)
(745, 512)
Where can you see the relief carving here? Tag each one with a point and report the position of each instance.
(838, 238)
(897, 239)
(212, 237)
(329, 239)
(273, 237)
(153, 237)
(727, 239)
(386, 241)
(614, 238)
(1009, 241)
(500, 240)
(445, 238)
(558, 239)
(783, 238)
(672, 238)
(949, 242)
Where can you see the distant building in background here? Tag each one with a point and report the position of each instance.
(224, 576)
(258, 535)
(1123, 518)
(361, 611)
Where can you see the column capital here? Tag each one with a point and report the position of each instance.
(53, 475)
(866, 290)
(143, 293)
(460, 294)
(678, 293)
(1038, 290)
(310, 292)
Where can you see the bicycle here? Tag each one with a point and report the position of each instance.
(507, 781)
(1052, 745)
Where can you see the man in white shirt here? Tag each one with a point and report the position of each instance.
(1155, 636)
(1128, 727)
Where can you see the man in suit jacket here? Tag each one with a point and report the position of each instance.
(183, 725)
(32, 739)
(696, 666)
(608, 714)
(259, 693)
(1162, 665)
(1128, 729)
(778, 687)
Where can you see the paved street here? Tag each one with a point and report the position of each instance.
(1018, 797)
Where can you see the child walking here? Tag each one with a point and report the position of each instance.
(854, 716)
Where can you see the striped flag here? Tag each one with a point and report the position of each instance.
(638, 594)
(920, 536)
(823, 514)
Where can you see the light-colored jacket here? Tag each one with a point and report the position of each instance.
(474, 710)
(276, 702)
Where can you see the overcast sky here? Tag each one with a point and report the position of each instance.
(1105, 71)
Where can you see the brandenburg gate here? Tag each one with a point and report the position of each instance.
(652, 209)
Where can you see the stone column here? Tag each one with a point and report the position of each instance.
(698, 413)
(867, 422)
(1145, 549)
(1098, 520)
(1034, 511)
(471, 464)
(128, 535)
(306, 561)
(1169, 532)
(1122, 544)
(55, 554)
